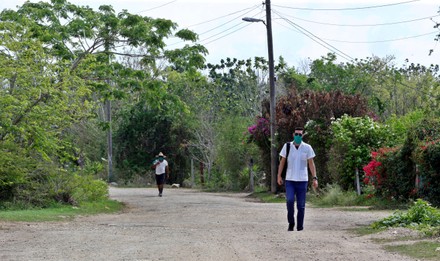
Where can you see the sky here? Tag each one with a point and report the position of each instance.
(302, 30)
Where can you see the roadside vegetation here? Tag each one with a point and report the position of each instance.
(59, 212)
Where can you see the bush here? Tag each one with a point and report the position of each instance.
(420, 216)
(391, 174)
(335, 196)
(353, 139)
(89, 189)
(411, 170)
(429, 172)
(47, 184)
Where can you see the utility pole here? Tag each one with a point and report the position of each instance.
(273, 148)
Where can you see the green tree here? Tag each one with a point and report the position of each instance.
(353, 140)
(60, 61)
(388, 89)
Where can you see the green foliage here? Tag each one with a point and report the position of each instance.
(397, 176)
(266, 196)
(14, 164)
(410, 170)
(59, 62)
(389, 90)
(332, 195)
(232, 155)
(59, 212)
(422, 250)
(400, 125)
(353, 139)
(426, 156)
(420, 216)
(301, 82)
(237, 88)
(219, 181)
(144, 132)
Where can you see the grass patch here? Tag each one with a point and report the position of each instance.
(366, 230)
(425, 250)
(61, 212)
(267, 197)
(334, 196)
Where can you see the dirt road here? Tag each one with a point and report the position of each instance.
(191, 225)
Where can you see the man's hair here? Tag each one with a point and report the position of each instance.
(299, 129)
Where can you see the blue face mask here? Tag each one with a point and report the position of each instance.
(297, 139)
(160, 159)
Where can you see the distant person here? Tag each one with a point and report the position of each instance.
(160, 165)
(300, 155)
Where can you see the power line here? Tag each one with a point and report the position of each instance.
(345, 9)
(219, 26)
(365, 25)
(220, 17)
(147, 10)
(224, 32)
(316, 39)
(380, 41)
(227, 34)
(233, 19)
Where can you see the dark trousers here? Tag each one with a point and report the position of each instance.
(296, 190)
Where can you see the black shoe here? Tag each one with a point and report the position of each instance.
(290, 228)
(299, 229)
(160, 194)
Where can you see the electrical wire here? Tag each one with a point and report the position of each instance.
(157, 7)
(365, 25)
(345, 9)
(220, 17)
(380, 41)
(226, 34)
(376, 41)
(236, 25)
(315, 38)
(232, 20)
(219, 26)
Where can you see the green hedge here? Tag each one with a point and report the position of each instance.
(412, 170)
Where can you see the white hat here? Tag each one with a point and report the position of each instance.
(161, 155)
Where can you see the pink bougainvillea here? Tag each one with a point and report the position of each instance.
(260, 131)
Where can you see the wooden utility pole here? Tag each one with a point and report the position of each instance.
(273, 147)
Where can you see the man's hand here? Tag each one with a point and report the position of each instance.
(315, 184)
(280, 180)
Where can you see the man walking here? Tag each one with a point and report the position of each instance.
(300, 156)
(161, 167)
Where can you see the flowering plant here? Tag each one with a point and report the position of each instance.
(259, 132)
(374, 172)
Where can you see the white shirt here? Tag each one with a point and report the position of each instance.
(297, 162)
(160, 168)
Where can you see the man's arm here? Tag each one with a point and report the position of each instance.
(313, 171)
(155, 163)
(280, 171)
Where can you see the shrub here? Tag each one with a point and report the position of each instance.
(429, 172)
(353, 139)
(420, 215)
(391, 174)
(411, 170)
(334, 196)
